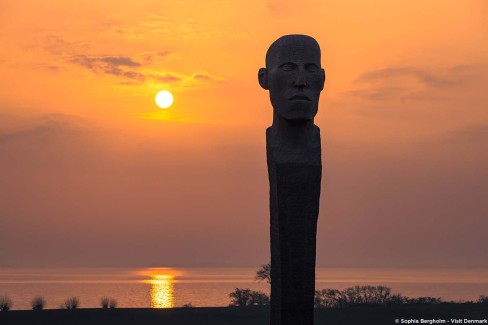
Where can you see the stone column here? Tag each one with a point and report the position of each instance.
(295, 78)
(294, 180)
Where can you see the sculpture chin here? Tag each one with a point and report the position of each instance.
(298, 110)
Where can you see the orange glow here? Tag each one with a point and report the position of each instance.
(162, 286)
(159, 273)
(402, 118)
(162, 291)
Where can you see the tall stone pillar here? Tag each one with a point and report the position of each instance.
(294, 78)
(294, 180)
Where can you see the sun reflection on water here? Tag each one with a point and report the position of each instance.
(162, 287)
(162, 291)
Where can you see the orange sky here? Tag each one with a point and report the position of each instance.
(93, 173)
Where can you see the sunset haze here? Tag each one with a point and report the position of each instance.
(94, 173)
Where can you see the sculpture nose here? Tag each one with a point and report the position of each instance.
(300, 82)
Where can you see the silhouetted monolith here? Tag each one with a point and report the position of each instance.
(294, 78)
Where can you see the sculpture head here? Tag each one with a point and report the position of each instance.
(294, 77)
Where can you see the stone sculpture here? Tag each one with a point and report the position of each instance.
(294, 78)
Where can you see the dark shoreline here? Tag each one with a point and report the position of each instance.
(244, 315)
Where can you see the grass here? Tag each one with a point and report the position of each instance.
(259, 315)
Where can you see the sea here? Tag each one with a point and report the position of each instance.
(166, 287)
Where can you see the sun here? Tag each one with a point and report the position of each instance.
(164, 99)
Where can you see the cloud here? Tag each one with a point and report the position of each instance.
(206, 76)
(427, 78)
(48, 67)
(182, 79)
(53, 67)
(42, 127)
(120, 61)
(130, 68)
(104, 61)
(149, 57)
(413, 83)
(168, 77)
(114, 65)
(381, 93)
(56, 45)
(154, 24)
(475, 132)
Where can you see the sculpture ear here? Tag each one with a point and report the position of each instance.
(323, 79)
(263, 78)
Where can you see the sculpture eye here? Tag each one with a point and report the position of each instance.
(310, 67)
(288, 66)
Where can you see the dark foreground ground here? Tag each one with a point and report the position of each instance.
(249, 315)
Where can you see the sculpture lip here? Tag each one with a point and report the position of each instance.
(300, 97)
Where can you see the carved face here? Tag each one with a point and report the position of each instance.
(295, 78)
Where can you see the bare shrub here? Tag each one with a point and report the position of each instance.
(38, 303)
(104, 302)
(107, 302)
(328, 298)
(5, 303)
(367, 295)
(424, 301)
(112, 303)
(357, 295)
(72, 303)
(248, 297)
